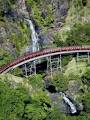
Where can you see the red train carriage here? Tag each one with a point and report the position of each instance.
(41, 53)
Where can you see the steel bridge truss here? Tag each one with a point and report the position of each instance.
(29, 68)
(85, 57)
(54, 64)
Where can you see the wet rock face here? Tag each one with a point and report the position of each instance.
(60, 8)
(12, 25)
(5, 43)
(2, 35)
(21, 8)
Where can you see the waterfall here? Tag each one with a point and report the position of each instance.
(34, 37)
(51, 89)
(72, 106)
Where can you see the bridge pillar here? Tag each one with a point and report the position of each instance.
(29, 68)
(88, 57)
(83, 57)
(60, 62)
(25, 66)
(35, 67)
(53, 64)
(77, 57)
(49, 65)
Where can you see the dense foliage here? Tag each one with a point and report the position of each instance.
(5, 57)
(86, 77)
(43, 17)
(17, 103)
(79, 35)
(60, 82)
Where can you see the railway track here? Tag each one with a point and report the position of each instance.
(41, 54)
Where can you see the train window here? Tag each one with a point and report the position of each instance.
(46, 51)
(59, 50)
(73, 47)
(70, 48)
(11, 64)
(78, 47)
(38, 54)
(30, 56)
(65, 48)
(83, 47)
(53, 50)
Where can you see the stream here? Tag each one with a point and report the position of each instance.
(65, 102)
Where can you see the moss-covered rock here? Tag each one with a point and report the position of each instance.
(76, 24)
(14, 31)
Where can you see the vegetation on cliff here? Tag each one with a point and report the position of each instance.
(20, 101)
(14, 31)
(26, 98)
(58, 23)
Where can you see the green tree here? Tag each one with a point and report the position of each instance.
(40, 107)
(86, 102)
(56, 115)
(60, 81)
(86, 77)
(5, 57)
(17, 103)
(36, 81)
(12, 102)
(79, 35)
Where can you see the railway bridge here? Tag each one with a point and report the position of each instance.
(29, 60)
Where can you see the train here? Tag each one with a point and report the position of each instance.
(41, 53)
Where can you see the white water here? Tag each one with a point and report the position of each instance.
(72, 106)
(34, 37)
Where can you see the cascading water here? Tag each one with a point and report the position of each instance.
(72, 106)
(51, 89)
(34, 36)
